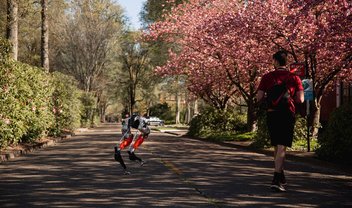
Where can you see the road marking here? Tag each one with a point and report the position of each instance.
(171, 166)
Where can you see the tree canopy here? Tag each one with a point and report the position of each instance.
(222, 42)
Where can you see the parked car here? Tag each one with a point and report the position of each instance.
(154, 121)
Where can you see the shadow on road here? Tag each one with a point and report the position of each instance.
(180, 172)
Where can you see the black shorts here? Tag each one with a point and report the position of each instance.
(280, 126)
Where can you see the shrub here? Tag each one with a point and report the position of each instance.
(88, 109)
(24, 102)
(38, 91)
(336, 141)
(231, 136)
(4, 50)
(159, 109)
(262, 138)
(65, 104)
(163, 111)
(212, 121)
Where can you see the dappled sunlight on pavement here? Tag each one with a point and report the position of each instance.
(237, 177)
(180, 172)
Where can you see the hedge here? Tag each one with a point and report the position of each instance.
(336, 141)
(34, 103)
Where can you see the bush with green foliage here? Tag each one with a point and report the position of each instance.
(39, 91)
(231, 136)
(213, 121)
(336, 141)
(262, 139)
(163, 111)
(24, 102)
(4, 50)
(88, 109)
(65, 103)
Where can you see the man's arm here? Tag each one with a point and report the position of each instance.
(299, 97)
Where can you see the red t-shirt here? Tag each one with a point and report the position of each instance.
(293, 83)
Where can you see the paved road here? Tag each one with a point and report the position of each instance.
(180, 172)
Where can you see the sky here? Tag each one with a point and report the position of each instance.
(132, 9)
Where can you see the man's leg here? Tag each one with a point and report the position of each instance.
(279, 162)
(279, 157)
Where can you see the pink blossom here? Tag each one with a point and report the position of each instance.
(225, 46)
(7, 121)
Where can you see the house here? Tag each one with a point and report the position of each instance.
(341, 94)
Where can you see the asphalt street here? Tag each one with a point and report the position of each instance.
(179, 172)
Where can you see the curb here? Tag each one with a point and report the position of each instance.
(172, 132)
(17, 153)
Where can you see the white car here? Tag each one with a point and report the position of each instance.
(155, 121)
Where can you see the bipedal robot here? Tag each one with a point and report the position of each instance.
(138, 125)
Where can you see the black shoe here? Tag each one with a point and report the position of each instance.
(276, 185)
(132, 156)
(283, 178)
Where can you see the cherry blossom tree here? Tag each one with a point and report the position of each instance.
(315, 32)
(217, 52)
(324, 36)
(229, 43)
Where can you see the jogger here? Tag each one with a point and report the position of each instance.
(282, 89)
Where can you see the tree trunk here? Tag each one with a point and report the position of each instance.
(196, 110)
(178, 101)
(102, 113)
(189, 116)
(315, 118)
(251, 104)
(251, 117)
(131, 104)
(45, 37)
(12, 27)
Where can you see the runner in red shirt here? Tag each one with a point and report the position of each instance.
(280, 121)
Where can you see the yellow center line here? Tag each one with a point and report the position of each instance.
(171, 166)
